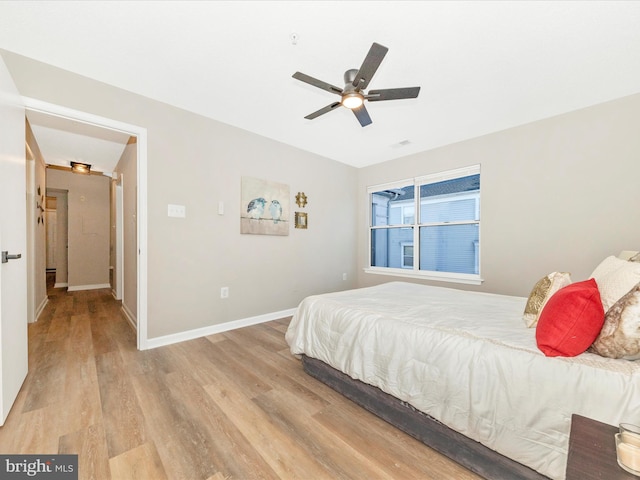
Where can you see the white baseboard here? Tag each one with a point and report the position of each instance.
(41, 308)
(60, 285)
(75, 288)
(131, 318)
(213, 329)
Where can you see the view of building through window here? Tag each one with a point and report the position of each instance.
(442, 237)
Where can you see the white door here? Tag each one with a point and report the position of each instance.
(13, 240)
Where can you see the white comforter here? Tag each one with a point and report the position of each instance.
(466, 359)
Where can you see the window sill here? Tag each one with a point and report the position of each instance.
(468, 279)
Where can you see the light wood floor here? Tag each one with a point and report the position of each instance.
(235, 405)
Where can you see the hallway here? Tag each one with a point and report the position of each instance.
(59, 408)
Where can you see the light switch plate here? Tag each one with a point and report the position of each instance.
(179, 211)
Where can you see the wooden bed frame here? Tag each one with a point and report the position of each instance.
(468, 453)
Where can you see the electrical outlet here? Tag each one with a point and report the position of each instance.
(344, 276)
(224, 292)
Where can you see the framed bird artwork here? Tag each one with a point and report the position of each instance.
(264, 207)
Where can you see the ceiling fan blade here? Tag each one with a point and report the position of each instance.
(322, 111)
(317, 83)
(393, 94)
(369, 66)
(362, 115)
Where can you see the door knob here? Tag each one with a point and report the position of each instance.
(6, 257)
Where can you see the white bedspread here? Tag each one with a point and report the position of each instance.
(466, 359)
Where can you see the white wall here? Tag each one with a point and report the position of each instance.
(559, 194)
(198, 162)
(88, 227)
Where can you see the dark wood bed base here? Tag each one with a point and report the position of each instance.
(468, 453)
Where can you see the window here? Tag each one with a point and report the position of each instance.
(428, 227)
(407, 255)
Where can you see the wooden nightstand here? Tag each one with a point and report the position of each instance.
(592, 451)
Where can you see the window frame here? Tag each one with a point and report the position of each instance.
(415, 272)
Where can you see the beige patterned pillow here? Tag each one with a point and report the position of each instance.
(542, 291)
(614, 278)
(620, 334)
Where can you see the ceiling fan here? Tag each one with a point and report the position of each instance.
(356, 81)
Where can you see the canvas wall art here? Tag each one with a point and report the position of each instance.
(265, 207)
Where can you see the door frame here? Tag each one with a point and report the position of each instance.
(141, 145)
(119, 278)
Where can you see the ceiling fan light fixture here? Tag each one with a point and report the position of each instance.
(352, 100)
(83, 168)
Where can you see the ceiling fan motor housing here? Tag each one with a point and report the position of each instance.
(349, 77)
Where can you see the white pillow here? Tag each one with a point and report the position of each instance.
(615, 277)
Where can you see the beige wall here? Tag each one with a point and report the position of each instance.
(127, 176)
(198, 162)
(88, 227)
(558, 194)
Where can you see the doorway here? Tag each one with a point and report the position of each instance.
(139, 199)
(57, 229)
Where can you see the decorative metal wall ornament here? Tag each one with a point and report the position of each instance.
(301, 220)
(301, 200)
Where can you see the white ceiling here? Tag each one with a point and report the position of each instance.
(482, 66)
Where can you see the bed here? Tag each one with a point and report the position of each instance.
(461, 372)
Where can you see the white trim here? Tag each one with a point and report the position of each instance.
(141, 212)
(30, 168)
(119, 276)
(390, 185)
(95, 286)
(40, 308)
(129, 316)
(64, 112)
(449, 174)
(219, 328)
(465, 278)
(61, 285)
(141, 134)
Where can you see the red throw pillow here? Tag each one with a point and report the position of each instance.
(571, 320)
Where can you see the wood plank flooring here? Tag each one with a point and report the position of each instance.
(236, 405)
